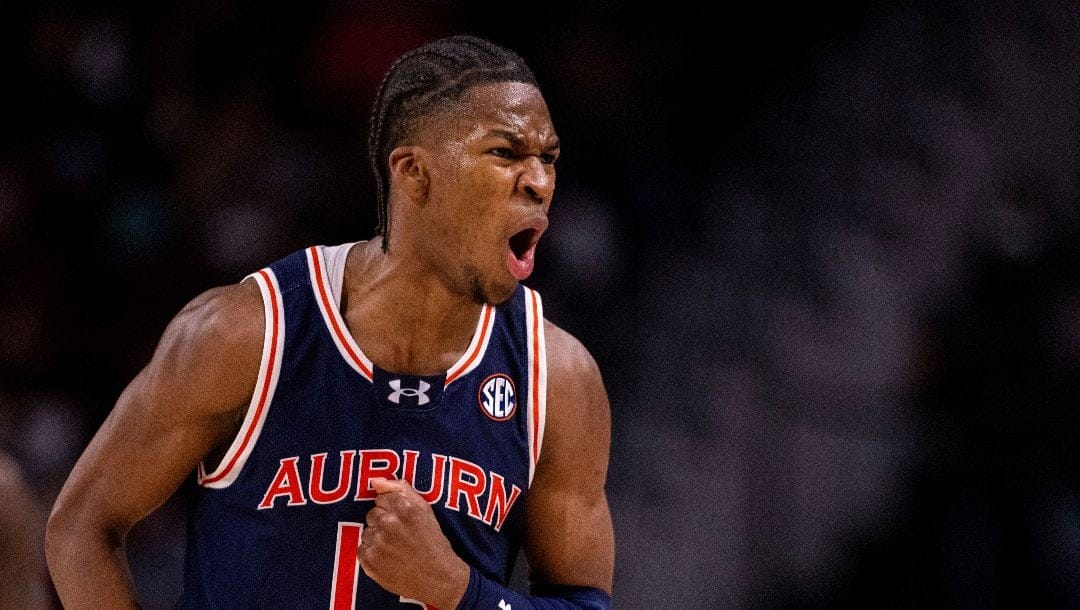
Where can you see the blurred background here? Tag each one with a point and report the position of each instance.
(826, 258)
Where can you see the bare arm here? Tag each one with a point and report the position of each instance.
(186, 403)
(569, 537)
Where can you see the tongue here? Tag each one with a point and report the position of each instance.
(520, 268)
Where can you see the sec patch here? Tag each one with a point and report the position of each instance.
(497, 397)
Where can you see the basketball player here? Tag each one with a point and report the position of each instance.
(381, 424)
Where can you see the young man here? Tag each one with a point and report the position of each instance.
(379, 423)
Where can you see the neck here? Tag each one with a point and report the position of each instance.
(410, 321)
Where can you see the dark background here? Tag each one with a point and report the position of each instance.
(826, 259)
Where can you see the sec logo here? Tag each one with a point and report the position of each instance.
(497, 397)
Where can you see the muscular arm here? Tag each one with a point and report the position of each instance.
(186, 403)
(569, 534)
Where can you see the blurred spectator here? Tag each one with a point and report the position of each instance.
(24, 580)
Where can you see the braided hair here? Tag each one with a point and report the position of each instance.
(425, 80)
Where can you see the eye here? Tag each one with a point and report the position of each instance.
(547, 159)
(503, 153)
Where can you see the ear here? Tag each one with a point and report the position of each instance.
(408, 169)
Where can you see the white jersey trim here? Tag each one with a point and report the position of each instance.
(326, 266)
(320, 267)
(269, 370)
(537, 347)
(335, 257)
(474, 355)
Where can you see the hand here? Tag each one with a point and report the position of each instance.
(403, 549)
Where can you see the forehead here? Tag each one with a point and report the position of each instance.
(516, 107)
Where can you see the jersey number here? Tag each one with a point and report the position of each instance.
(347, 569)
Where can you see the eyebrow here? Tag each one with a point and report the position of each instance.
(520, 141)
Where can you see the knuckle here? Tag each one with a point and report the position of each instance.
(363, 555)
(374, 538)
(405, 505)
(369, 538)
(375, 516)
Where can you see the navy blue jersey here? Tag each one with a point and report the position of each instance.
(277, 522)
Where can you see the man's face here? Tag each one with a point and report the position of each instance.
(492, 179)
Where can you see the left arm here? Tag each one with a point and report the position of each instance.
(570, 539)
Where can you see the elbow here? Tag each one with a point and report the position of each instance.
(70, 534)
(59, 534)
(76, 530)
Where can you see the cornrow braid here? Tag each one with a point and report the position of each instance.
(424, 80)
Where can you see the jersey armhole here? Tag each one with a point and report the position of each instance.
(537, 415)
(269, 369)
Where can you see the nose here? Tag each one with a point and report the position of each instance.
(538, 179)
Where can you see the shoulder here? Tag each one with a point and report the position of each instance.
(577, 405)
(229, 317)
(567, 357)
(216, 338)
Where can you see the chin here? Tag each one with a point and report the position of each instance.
(494, 293)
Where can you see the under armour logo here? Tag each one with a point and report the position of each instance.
(503, 605)
(419, 393)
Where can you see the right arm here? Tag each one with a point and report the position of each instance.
(185, 404)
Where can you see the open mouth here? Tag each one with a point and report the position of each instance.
(523, 241)
(521, 250)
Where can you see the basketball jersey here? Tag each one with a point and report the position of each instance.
(277, 523)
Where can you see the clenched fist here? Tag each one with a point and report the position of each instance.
(404, 550)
